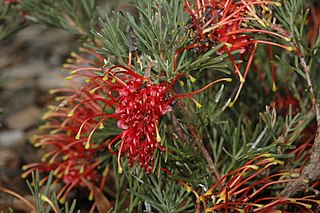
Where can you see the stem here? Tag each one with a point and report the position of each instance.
(212, 166)
(178, 129)
(311, 172)
(206, 154)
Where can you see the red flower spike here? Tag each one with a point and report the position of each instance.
(109, 93)
(140, 109)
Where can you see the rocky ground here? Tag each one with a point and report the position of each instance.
(30, 65)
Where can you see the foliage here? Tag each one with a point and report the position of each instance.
(63, 14)
(46, 201)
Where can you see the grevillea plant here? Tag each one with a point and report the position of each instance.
(147, 125)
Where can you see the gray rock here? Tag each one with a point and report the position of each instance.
(27, 70)
(18, 94)
(24, 119)
(11, 138)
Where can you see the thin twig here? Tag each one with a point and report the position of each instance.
(179, 129)
(311, 172)
(211, 164)
(8, 191)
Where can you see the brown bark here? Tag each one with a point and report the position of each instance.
(311, 172)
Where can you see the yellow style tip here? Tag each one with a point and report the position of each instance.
(242, 80)
(90, 196)
(73, 54)
(274, 87)
(93, 91)
(290, 49)
(69, 78)
(65, 66)
(70, 114)
(77, 136)
(120, 170)
(62, 200)
(87, 146)
(158, 138)
(192, 79)
(24, 175)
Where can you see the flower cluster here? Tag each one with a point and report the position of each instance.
(227, 22)
(231, 23)
(134, 101)
(110, 97)
(211, 23)
(67, 157)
